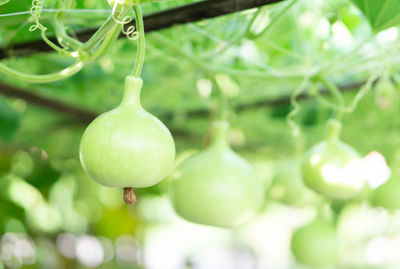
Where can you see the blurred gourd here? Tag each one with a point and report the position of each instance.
(216, 186)
(333, 168)
(127, 147)
(288, 187)
(316, 244)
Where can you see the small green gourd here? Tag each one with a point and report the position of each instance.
(288, 186)
(216, 186)
(333, 168)
(127, 147)
(316, 244)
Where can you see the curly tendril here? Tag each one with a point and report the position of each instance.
(36, 11)
(130, 32)
(296, 107)
(353, 105)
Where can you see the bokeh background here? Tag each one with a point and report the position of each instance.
(53, 216)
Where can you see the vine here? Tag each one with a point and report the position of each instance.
(36, 11)
(360, 94)
(137, 69)
(338, 95)
(63, 38)
(130, 31)
(296, 106)
(96, 46)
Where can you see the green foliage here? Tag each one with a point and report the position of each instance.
(9, 120)
(381, 14)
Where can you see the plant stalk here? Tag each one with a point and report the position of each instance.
(141, 45)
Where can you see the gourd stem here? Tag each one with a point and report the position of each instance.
(141, 45)
(222, 105)
(337, 93)
(63, 38)
(129, 196)
(333, 130)
(100, 34)
(107, 43)
(274, 21)
(133, 86)
(220, 134)
(65, 73)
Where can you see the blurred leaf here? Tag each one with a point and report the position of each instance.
(5, 161)
(9, 121)
(8, 209)
(43, 174)
(351, 19)
(116, 222)
(22, 163)
(381, 14)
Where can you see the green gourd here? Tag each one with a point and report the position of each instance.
(288, 187)
(127, 147)
(333, 168)
(316, 244)
(216, 186)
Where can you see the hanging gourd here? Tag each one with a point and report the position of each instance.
(316, 244)
(333, 168)
(287, 183)
(216, 186)
(128, 147)
(288, 187)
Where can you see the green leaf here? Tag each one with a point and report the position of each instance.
(381, 14)
(9, 121)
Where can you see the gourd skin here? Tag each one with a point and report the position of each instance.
(288, 186)
(216, 187)
(316, 244)
(333, 169)
(127, 146)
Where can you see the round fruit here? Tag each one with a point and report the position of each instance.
(216, 186)
(316, 244)
(127, 146)
(333, 168)
(387, 195)
(288, 187)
